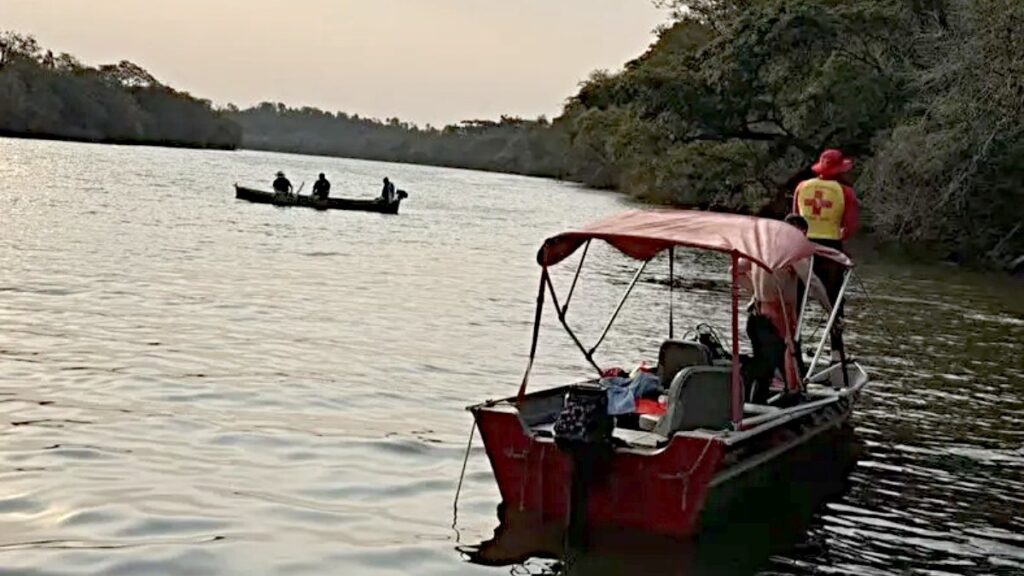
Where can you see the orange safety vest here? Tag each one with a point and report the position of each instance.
(821, 203)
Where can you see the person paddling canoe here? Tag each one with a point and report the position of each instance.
(322, 188)
(282, 185)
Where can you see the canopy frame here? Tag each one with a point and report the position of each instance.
(551, 253)
(836, 306)
(641, 234)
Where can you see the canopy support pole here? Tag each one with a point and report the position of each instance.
(798, 338)
(622, 302)
(803, 303)
(831, 322)
(790, 340)
(536, 334)
(737, 384)
(561, 318)
(579, 269)
(671, 293)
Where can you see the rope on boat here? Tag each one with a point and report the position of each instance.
(696, 464)
(462, 476)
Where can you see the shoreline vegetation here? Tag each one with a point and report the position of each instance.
(725, 111)
(47, 95)
(112, 141)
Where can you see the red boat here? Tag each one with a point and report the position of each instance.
(667, 474)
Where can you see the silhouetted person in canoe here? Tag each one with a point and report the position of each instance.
(282, 185)
(321, 188)
(388, 193)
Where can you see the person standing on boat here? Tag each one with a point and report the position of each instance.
(775, 300)
(827, 202)
(321, 188)
(282, 185)
(832, 211)
(388, 193)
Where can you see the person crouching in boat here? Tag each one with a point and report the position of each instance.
(321, 188)
(282, 186)
(832, 211)
(772, 323)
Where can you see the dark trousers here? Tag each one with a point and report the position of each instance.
(769, 356)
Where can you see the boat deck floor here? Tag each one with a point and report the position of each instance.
(646, 440)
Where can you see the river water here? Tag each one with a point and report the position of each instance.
(192, 385)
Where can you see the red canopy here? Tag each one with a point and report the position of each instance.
(641, 234)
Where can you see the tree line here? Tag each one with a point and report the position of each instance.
(43, 94)
(737, 97)
(511, 144)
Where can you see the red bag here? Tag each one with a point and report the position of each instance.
(612, 372)
(652, 407)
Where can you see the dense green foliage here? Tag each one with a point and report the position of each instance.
(737, 98)
(511, 145)
(47, 95)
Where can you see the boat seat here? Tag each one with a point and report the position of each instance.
(545, 430)
(639, 438)
(675, 355)
(700, 397)
(632, 438)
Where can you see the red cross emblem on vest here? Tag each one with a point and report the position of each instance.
(818, 202)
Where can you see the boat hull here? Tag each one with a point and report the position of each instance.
(261, 197)
(778, 503)
(660, 490)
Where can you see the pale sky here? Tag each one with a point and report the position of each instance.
(436, 61)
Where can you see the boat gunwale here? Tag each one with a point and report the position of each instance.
(728, 438)
(376, 205)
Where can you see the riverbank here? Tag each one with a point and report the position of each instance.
(867, 246)
(374, 158)
(114, 141)
(870, 242)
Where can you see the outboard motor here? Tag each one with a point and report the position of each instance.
(583, 431)
(707, 336)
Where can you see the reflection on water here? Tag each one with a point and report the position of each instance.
(190, 385)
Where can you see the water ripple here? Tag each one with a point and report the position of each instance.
(192, 385)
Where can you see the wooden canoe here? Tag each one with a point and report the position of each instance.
(372, 205)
